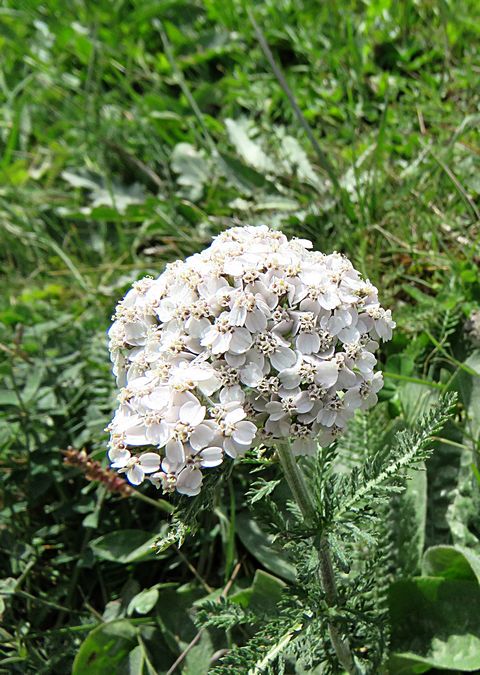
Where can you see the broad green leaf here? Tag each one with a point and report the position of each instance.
(260, 545)
(296, 159)
(451, 562)
(144, 601)
(415, 400)
(264, 593)
(174, 614)
(106, 650)
(462, 514)
(124, 546)
(416, 493)
(239, 132)
(408, 534)
(192, 168)
(435, 624)
(276, 203)
(8, 397)
(32, 384)
(198, 659)
(173, 610)
(242, 176)
(136, 661)
(469, 386)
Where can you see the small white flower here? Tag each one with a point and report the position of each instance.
(238, 432)
(364, 395)
(296, 403)
(189, 481)
(134, 467)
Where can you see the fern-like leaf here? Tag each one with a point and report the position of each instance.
(383, 474)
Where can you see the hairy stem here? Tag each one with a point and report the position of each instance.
(327, 575)
(299, 489)
(295, 479)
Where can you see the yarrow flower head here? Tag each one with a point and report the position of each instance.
(255, 339)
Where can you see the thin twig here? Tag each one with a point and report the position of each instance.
(182, 83)
(322, 158)
(149, 173)
(160, 504)
(198, 636)
(463, 193)
(192, 569)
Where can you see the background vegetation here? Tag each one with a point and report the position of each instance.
(130, 133)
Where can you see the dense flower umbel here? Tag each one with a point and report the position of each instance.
(257, 338)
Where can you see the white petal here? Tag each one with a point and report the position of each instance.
(189, 481)
(208, 387)
(211, 457)
(158, 434)
(158, 399)
(244, 433)
(241, 341)
(256, 321)
(275, 410)
(166, 309)
(175, 453)
(308, 343)
(327, 373)
(329, 300)
(279, 428)
(118, 457)
(304, 446)
(283, 358)
(135, 474)
(290, 377)
(326, 417)
(349, 335)
(237, 316)
(366, 362)
(303, 403)
(235, 360)
(234, 449)
(254, 356)
(221, 343)
(150, 462)
(197, 327)
(124, 420)
(235, 416)
(346, 378)
(377, 382)
(233, 394)
(201, 436)
(352, 398)
(136, 436)
(192, 413)
(251, 375)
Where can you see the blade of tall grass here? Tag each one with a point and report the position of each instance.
(323, 160)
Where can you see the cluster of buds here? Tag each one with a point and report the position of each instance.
(255, 339)
(94, 471)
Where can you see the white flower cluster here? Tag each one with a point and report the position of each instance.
(257, 338)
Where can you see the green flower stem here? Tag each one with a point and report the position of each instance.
(295, 479)
(160, 504)
(299, 489)
(327, 575)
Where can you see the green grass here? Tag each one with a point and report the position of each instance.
(97, 190)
